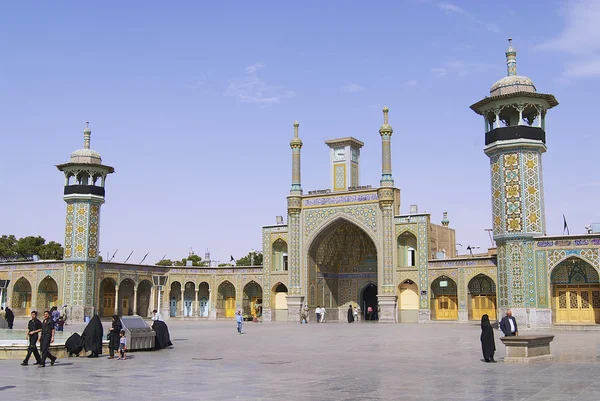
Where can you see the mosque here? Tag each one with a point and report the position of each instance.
(348, 244)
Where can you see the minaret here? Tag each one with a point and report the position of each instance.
(85, 176)
(296, 145)
(515, 138)
(386, 132)
(295, 298)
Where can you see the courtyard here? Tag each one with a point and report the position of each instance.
(331, 361)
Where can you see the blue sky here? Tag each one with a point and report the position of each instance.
(193, 105)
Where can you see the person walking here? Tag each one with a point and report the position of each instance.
(318, 313)
(350, 314)
(33, 328)
(122, 345)
(10, 317)
(508, 325)
(114, 336)
(356, 313)
(240, 321)
(488, 344)
(46, 339)
(323, 311)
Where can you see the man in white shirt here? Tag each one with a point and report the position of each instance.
(156, 316)
(318, 313)
(508, 325)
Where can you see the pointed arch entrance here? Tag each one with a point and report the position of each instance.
(342, 261)
(444, 299)
(576, 292)
(368, 302)
(482, 290)
(21, 297)
(226, 300)
(107, 297)
(279, 307)
(47, 294)
(252, 302)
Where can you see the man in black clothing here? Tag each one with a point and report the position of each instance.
(508, 325)
(46, 339)
(10, 317)
(33, 328)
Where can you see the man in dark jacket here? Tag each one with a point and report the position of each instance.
(10, 317)
(46, 339)
(33, 328)
(508, 325)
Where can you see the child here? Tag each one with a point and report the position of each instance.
(122, 345)
(61, 324)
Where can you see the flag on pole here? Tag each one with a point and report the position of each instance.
(565, 226)
(232, 259)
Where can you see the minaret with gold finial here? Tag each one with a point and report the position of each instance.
(515, 139)
(85, 178)
(295, 298)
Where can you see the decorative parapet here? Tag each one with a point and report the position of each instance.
(357, 198)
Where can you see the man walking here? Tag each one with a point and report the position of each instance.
(33, 328)
(508, 325)
(240, 320)
(46, 339)
(10, 317)
(318, 313)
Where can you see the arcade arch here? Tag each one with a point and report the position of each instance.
(279, 307)
(575, 292)
(126, 291)
(408, 301)
(368, 302)
(21, 297)
(407, 249)
(47, 295)
(175, 299)
(444, 299)
(279, 258)
(189, 294)
(107, 296)
(144, 291)
(482, 290)
(226, 300)
(204, 299)
(252, 301)
(342, 259)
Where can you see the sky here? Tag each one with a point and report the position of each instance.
(193, 103)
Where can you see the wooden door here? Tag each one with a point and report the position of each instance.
(108, 304)
(446, 307)
(230, 307)
(483, 305)
(577, 304)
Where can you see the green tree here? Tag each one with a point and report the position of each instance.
(224, 264)
(246, 260)
(11, 247)
(165, 262)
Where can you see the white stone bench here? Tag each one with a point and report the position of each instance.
(528, 348)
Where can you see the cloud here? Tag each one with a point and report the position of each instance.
(253, 89)
(411, 83)
(198, 84)
(453, 9)
(459, 67)
(352, 88)
(579, 38)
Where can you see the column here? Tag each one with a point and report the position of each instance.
(182, 311)
(462, 293)
(116, 299)
(386, 151)
(387, 297)
(151, 304)
(135, 290)
(296, 146)
(197, 303)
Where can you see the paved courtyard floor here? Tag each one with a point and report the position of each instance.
(331, 361)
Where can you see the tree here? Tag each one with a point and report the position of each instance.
(165, 262)
(224, 265)
(23, 248)
(246, 260)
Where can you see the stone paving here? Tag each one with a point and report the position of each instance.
(331, 361)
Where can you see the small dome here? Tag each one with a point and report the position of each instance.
(512, 84)
(86, 156)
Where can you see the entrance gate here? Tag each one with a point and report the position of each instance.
(483, 297)
(577, 304)
(445, 299)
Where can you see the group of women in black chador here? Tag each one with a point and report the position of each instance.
(93, 334)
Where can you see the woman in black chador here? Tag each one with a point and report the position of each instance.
(92, 337)
(488, 345)
(350, 314)
(113, 336)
